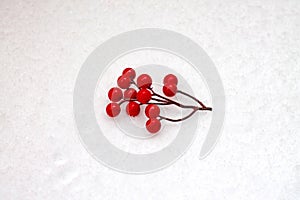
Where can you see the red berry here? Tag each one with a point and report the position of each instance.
(170, 79)
(113, 109)
(144, 81)
(130, 94)
(115, 94)
(170, 90)
(129, 72)
(133, 108)
(144, 96)
(153, 125)
(124, 82)
(152, 111)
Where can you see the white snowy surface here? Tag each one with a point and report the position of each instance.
(255, 46)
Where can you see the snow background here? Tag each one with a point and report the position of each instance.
(255, 46)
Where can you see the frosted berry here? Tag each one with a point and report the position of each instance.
(130, 94)
(144, 81)
(133, 109)
(124, 82)
(152, 111)
(170, 79)
(170, 90)
(113, 109)
(153, 125)
(144, 96)
(115, 94)
(129, 72)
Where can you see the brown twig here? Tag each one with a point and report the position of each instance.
(188, 95)
(178, 120)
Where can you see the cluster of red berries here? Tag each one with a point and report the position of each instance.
(136, 98)
(143, 95)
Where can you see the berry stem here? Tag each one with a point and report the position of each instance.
(167, 101)
(159, 103)
(176, 103)
(195, 99)
(160, 100)
(134, 83)
(165, 98)
(206, 108)
(123, 101)
(178, 120)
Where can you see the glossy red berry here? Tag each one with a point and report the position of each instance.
(144, 81)
(124, 82)
(153, 125)
(152, 111)
(170, 90)
(129, 72)
(144, 96)
(130, 94)
(170, 79)
(115, 94)
(133, 108)
(113, 109)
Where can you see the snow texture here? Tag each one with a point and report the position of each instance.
(255, 46)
